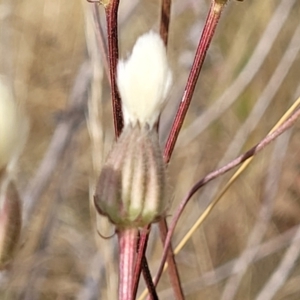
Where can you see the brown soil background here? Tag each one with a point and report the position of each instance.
(42, 50)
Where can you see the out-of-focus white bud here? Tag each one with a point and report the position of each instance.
(13, 126)
(144, 80)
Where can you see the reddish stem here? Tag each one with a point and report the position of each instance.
(111, 11)
(206, 37)
(209, 177)
(173, 271)
(142, 264)
(127, 252)
(165, 20)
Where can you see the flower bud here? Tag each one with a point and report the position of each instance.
(131, 190)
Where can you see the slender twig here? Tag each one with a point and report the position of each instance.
(165, 20)
(242, 158)
(239, 85)
(206, 37)
(257, 112)
(111, 11)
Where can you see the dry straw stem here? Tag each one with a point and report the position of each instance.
(282, 272)
(287, 120)
(226, 270)
(264, 216)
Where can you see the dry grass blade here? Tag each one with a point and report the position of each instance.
(287, 120)
(222, 272)
(284, 118)
(285, 267)
(265, 214)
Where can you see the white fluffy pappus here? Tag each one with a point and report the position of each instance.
(144, 80)
(13, 126)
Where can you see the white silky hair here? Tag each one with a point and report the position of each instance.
(144, 80)
(13, 126)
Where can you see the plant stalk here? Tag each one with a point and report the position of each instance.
(127, 252)
(111, 11)
(211, 23)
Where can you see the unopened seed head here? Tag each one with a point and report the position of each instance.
(144, 80)
(131, 189)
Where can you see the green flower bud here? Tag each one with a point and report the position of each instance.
(131, 190)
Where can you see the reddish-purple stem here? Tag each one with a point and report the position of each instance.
(173, 271)
(111, 11)
(206, 37)
(127, 251)
(141, 262)
(165, 20)
(261, 145)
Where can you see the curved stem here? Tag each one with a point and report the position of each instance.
(242, 158)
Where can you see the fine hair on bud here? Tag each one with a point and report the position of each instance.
(131, 189)
(144, 80)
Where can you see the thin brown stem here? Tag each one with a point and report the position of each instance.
(253, 151)
(165, 20)
(127, 252)
(206, 37)
(111, 11)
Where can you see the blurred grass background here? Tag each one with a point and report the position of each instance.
(43, 46)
